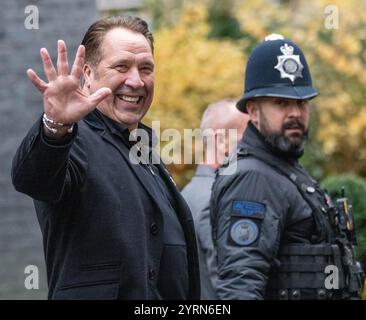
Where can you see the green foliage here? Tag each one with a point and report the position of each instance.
(355, 188)
(224, 26)
(163, 12)
(156, 9)
(222, 21)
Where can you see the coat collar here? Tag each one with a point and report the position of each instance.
(101, 122)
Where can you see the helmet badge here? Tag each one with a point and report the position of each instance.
(289, 64)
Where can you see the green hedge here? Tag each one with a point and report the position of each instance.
(355, 189)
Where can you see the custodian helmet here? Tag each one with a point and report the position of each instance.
(277, 68)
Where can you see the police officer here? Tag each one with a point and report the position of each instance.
(276, 232)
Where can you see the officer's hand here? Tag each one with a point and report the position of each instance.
(63, 98)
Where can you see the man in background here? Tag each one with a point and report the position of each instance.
(217, 119)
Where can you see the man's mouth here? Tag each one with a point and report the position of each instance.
(130, 99)
(294, 126)
(294, 132)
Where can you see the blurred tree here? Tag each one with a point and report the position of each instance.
(163, 12)
(156, 9)
(222, 20)
(191, 72)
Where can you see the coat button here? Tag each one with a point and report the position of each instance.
(296, 294)
(154, 228)
(152, 274)
(283, 294)
(322, 294)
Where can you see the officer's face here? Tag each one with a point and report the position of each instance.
(283, 122)
(127, 68)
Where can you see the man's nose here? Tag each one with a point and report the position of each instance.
(294, 109)
(133, 79)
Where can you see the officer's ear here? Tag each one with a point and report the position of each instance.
(253, 111)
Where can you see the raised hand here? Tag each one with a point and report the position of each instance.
(63, 99)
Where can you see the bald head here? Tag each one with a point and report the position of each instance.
(221, 116)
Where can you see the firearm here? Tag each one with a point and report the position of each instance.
(341, 217)
(346, 220)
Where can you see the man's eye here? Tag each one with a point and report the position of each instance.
(147, 69)
(121, 67)
(281, 102)
(304, 103)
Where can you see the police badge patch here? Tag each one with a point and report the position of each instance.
(244, 232)
(289, 64)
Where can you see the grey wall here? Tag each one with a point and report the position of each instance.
(20, 106)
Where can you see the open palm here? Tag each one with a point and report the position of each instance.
(64, 101)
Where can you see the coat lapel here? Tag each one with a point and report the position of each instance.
(113, 138)
(137, 169)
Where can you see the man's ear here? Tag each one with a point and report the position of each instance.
(253, 111)
(87, 71)
(221, 146)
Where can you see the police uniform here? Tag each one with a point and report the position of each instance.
(273, 226)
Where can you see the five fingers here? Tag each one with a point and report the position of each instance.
(62, 62)
(62, 69)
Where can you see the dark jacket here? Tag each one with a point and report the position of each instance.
(256, 211)
(101, 219)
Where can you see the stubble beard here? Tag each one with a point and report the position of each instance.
(293, 145)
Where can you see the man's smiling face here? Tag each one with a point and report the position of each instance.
(127, 68)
